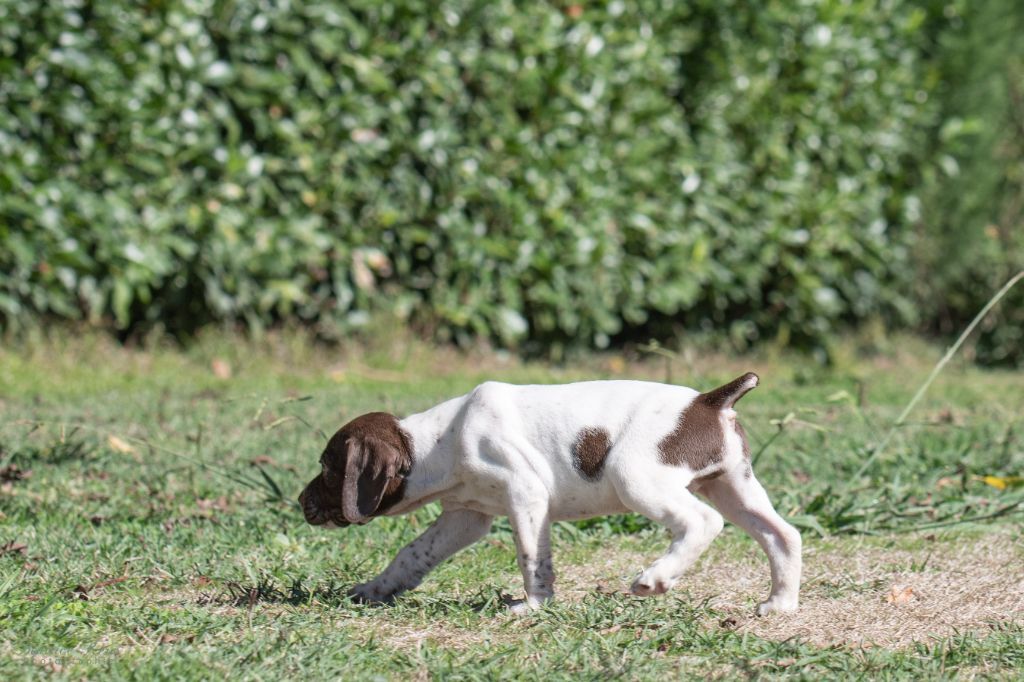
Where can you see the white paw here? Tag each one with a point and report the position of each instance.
(648, 584)
(524, 607)
(776, 605)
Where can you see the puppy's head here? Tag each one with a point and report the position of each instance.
(363, 470)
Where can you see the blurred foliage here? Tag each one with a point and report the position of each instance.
(971, 228)
(544, 175)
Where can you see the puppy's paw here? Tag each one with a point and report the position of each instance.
(371, 593)
(520, 607)
(523, 607)
(647, 585)
(776, 605)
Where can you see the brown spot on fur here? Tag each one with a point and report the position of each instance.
(698, 440)
(589, 452)
(376, 453)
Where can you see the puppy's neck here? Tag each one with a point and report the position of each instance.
(434, 453)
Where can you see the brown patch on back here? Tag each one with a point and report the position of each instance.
(589, 452)
(697, 441)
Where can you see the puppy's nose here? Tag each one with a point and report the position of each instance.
(302, 498)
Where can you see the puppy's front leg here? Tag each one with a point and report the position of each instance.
(532, 529)
(453, 530)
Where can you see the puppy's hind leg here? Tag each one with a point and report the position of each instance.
(453, 530)
(740, 497)
(663, 498)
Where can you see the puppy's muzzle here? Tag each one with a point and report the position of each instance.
(316, 507)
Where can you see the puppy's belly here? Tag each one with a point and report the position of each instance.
(580, 501)
(586, 501)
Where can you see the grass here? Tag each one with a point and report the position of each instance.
(148, 529)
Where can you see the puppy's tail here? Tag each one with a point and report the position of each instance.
(725, 397)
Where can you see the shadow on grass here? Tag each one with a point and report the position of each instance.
(59, 452)
(267, 591)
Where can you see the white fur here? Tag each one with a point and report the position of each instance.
(507, 450)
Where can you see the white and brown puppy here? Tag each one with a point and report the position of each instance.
(539, 454)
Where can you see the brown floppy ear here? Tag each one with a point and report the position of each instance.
(370, 466)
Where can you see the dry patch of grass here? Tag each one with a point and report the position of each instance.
(855, 592)
(892, 597)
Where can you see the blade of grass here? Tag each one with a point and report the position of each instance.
(1002, 511)
(272, 484)
(936, 371)
(765, 446)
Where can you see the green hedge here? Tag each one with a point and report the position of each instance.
(541, 174)
(973, 210)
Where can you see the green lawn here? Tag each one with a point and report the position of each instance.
(148, 529)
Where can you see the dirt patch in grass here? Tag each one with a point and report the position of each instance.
(855, 592)
(891, 597)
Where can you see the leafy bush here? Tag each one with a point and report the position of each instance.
(537, 174)
(972, 222)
